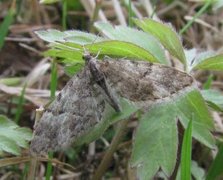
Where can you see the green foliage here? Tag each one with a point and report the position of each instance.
(214, 99)
(197, 172)
(199, 13)
(19, 108)
(121, 49)
(64, 15)
(156, 140)
(122, 33)
(78, 37)
(193, 104)
(48, 1)
(186, 153)
(217, 4)
(193, 59)
(11, 81)
(165, 34)
(207, 84)
(53, 86)
(212, 63)
(53, 80)
(12, 137)
(4, 27)
(216, 168)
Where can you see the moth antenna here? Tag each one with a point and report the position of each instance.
(98, 54)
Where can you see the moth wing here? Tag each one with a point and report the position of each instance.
(76, 109)
(144, 82)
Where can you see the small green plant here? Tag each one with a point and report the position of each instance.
(156, 141)
(4, 26)
(12, 137)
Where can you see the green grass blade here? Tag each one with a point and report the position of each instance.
(186, 153)
(200, 12)
(53, 80)
(130, 14)
(53, 86)
(11, 81)
(20, 105)
(207, 84)
(64, 15)
(49, 166)
(4, 27)
(216, 168)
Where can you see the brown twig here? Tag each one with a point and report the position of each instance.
(180, 139)
(34, 161)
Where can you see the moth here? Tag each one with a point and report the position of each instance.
(81, 103)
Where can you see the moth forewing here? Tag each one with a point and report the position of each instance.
(78, 107)
(143, 81)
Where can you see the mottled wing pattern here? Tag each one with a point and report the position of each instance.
(77, 108)
(143, 81)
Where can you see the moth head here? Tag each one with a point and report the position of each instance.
(87, 57)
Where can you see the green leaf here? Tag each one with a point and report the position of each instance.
(74, 36)
(12, 137)
(66, 56)
(207, 84)
(193, 103)
(53, 80)
(110, 117)
(134, 36)
(211, 63)
(48, 1)
(213, 97)
(4, 27)
(72, 59)
(156, 142)
(73, 68)
(157, 132)
(9, 145)
(122, 49)
(186, 153)
(193, 57)
(165, 34)
(69, 44)
(197, 172)
(216, 168)
(11, 81)
(217, 4)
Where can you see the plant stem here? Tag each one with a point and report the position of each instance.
(200, 12)
(105, 163)
(49, 166)
(180, 139)
(64, 15)
(19, 109)
(32, 169)
(53, 86)
(130, 14)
